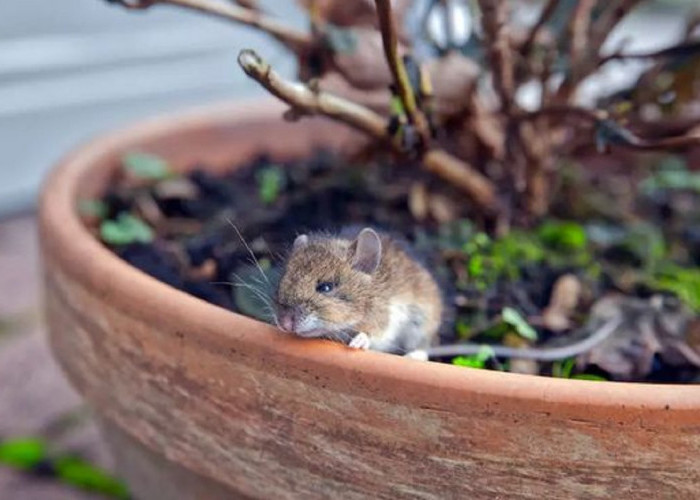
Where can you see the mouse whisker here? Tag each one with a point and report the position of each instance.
(250, 251)
(259, 293)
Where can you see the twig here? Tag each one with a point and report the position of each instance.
(495, 17)
(614, 11)
(305, 101)
(543, 354)
(449, 24)
(680, 50)
(613, 132)
(578, 31)
(296, 40)
(248, 4)
(532, 36)
(387, 26)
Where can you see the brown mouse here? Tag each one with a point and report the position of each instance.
(361, 288)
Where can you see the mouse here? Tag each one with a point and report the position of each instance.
(361, 287)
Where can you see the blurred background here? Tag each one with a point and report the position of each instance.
(71, 69)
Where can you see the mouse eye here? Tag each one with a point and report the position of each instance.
(325, 287)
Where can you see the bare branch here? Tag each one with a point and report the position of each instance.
(248, 4)
(305, 101)
(495, 17)
(680, 50)
(547, 12)
(290, 37)
(614, 133)
(387, 26)
(578, 31)
(614, 11)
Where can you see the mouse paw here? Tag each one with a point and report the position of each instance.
(418, 354)
(360, 341)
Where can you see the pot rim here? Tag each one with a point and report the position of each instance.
(85, 259)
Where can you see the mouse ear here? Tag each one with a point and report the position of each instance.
(301, 241)
(366, 251)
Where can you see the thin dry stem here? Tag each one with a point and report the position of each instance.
(495, 19)
(614, 11)
(387, 26)
(679, 50)
(296, 40)
(578, 31)
(305, 101)
(545, 15)
(623, 137)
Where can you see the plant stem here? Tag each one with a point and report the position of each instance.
(545, 15)
(387, 25)
(296, 40)
(495, 17)
(625, 137)
(305, 101)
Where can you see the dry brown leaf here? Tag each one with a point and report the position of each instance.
(178, 188)
(442, 208)
(148, 209)
(207, 271)
(524, 366)
(658, 325)
(566, 294)
(418, 201)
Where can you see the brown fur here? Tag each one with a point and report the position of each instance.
(360, 301)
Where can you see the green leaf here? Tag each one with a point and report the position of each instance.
(396, 106)
(463, 328)
(682, 281)
(146, 166)
(93, 208)
(565, 236)
(270, 183)
(81, 474)
(563, 368)
(589, 376)
(126, 229)
(477, 360)
(514, 319)
(22, 453)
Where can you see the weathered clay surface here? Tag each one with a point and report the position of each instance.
(249, 412)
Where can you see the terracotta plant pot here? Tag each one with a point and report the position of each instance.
(198, 402)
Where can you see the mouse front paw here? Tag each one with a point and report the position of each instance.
(360, 341)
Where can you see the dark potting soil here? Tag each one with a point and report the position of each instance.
(534, 288)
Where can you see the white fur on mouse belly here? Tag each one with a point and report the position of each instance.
(398, 316)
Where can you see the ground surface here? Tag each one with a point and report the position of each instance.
(35, 397)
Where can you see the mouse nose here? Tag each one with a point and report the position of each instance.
(287, 321)
(289, 318)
